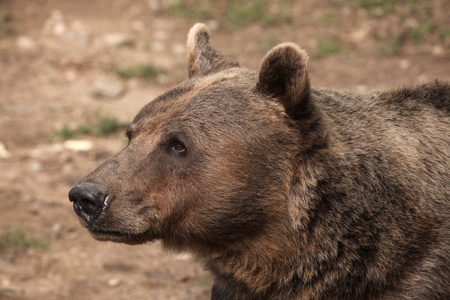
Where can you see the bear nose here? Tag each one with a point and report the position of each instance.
(88, 201)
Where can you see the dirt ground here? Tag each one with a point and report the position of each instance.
(54, 55)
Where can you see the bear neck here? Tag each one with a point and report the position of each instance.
(261, 265)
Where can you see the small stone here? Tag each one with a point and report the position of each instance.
(108, 88)
(56, 227)
(357, 36)
(115, 39)
(114, 281)
(3, 152)
(59, 29)
(35, 166)
(78, 145)
(178, 49)
(70, 75)
(438, 51)
(25, 43)
(405, 64)
(55, 25)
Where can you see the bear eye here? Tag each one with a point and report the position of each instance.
(178, 147)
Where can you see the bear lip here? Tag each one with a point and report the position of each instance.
(121, 237)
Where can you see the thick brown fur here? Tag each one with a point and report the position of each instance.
(284, 191)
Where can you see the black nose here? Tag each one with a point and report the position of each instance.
(88, 201)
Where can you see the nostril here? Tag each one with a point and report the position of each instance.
(86, 196)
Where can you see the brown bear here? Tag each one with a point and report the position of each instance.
(281, 190)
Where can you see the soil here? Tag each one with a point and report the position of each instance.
(52, 54)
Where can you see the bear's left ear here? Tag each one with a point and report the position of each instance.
(203, 59)
(284, 76)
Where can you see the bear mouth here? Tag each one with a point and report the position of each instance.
(121, 237)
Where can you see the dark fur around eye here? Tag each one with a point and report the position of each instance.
(177, 147)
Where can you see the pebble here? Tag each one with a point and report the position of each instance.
(114, 281)
(405, 64)
(70, 75)
(78, 145)
(55, 25)
(3, 152)
(108, 88)
(35, 166)
(25, 43)
(357, 36)
(43, 150)
(178, 49)
(56, 227)
(5, 282)
(115, 39)
(438, 51)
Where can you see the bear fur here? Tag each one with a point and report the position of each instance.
(281, 190)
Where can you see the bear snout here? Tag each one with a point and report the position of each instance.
(88, 201)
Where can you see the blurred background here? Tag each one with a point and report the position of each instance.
(74, 73)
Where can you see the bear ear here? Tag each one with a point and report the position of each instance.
(203, 59)
(284, 76)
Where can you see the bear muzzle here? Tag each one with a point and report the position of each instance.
(88, 201)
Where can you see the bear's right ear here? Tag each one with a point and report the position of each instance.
(203, 59)
(284, 76)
